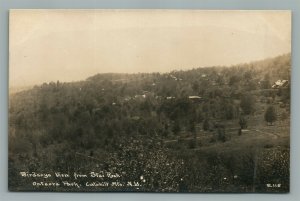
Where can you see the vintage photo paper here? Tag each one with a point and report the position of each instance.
(187, 101)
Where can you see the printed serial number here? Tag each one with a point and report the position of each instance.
(273, 185)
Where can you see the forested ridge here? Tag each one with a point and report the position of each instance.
(209, 129)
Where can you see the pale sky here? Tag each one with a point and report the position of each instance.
(71, 45)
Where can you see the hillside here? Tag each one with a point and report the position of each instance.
(204, 129)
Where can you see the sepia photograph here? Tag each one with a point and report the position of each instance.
(140, 100)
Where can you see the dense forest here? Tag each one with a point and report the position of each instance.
(208, 129)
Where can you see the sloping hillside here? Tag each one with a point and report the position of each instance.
(180, 130)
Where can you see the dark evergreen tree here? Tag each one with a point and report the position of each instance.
(270, 115)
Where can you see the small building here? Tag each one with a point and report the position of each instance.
(140, 96)
(280, 84)
(127, 98)
(195, 98)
